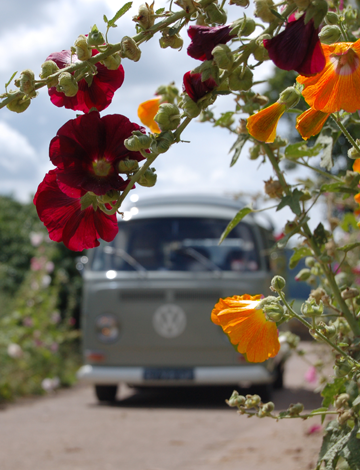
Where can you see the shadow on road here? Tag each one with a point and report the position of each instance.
(208, 398)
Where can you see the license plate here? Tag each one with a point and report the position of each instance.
(168, 374)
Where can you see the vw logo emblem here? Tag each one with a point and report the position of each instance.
(169, 321)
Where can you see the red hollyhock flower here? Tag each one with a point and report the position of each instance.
(88, 149)
(62, 216)
(97, 95)
(297, 48)
(205, 38)
(195, 88)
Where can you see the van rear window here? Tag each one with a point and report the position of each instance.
(178, 244)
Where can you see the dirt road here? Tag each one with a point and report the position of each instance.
(154, 431)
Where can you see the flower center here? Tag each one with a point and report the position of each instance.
(345, 62)
(101, 167)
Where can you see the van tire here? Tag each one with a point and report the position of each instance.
(106, 392)
(278, 383)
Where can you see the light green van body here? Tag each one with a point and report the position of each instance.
(151, 326)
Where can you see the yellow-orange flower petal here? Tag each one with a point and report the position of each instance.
(262, 125)
(337, 86)
(310, 122)
(147, 111)
(254, 335)
(356, 165)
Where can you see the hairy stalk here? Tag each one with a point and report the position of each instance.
(346, 133)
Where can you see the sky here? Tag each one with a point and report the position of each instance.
(30, 31)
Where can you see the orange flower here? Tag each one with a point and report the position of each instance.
(147, 111)
(310, 122)
(262, 125)
(246, 327)
(356, 167)
(337, 86)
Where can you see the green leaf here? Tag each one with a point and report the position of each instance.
(294, 151)
(335, 439)
(356, 402)
(293, 201)
(332, 389)
(239, 216)
(349, 221)
(320, 235)
(8, 83)
(277, 14)
(326, 140)
(225, 120)
(159, 11)
(175, 29)
(349, 247)
(237, 147)
(105, 19)
(351, 450)
(120, 13)
(318, 410)
(298, 254)
(337, 188)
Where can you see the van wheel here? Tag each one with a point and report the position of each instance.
(106, 392)
(278, 383)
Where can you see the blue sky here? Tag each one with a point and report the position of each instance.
(30, 31)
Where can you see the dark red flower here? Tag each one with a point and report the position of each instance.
(88, 149)
(97, 95)
(62, 216)
(195, 88)
(297, 48)
(205, 38)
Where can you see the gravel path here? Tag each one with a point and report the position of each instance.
(189, 430)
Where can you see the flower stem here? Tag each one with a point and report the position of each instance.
(346, 133)
(317, 170)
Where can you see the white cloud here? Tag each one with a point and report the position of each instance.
(15, 149)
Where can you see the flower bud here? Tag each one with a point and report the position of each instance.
(48, 68)
(273, 188)
(274, 312)
(26, 83)
(19, 105)
(349, 293)
(191, 109)
(240, 3)
(128, 166)
(95, 38)
(342, 326)
(163, 142)
(149, 178)
(310, 262)
(241, 79)
(83, 51)
(223, 56)
(261, 53)
(168, 117)
(311, 309)
(67, 84)
(278, 283)
(236, 399)
(329, 331)
(295, 410)
(353, 153)
(266, 409)
(342, 400)
(254, 152)
(129, 49)
(146, 17)
(247, 27)
(215, 14)
(175, 41)
(303, 275)
(252, 400)
(137, 141)
(290, 227)
(331, 18)
(330, 34)
(112, 62)
(262, 10)
(290, 97)
(316, 11)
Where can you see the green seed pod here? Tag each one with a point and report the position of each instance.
(330, 34)
(243, 27)
(112, 62)
(278, 283)
(191, 109)
(163, 142)
(260, 53)
(175, 41)
(303, 275)
(295, 410)
(274, 312)
(129, 49)
(252, 400)
(19, 105)
(236, 399)
(137, 141)
(331, 18)
(342, 326)
(26, 82)
(215, 14)
(254, 152)
(241, 80)
(168, 117)
(311, 309)
(266, 409)
(95, 38)
(48, 68)
(316, 11)
(67, 84)
(223, 56)
(128, 166)
(83, 51)
(310, 262)
(342, 367)
(149, 178)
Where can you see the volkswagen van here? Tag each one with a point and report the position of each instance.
(148, 296)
